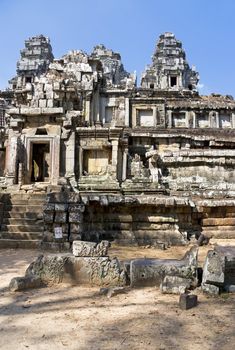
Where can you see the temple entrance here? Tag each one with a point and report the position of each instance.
(40, 162)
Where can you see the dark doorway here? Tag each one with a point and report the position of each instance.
(40, 162)
(173, 81)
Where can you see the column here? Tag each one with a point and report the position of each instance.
(124, 163)
(55, 159)
(169, 117)
(127, 112)
(80, 161)
(233, 120)
(217, 119)
(70, 156)
(11, 160)
(87, 111)
(114, 156)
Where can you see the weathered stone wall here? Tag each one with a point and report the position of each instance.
(63, 213)
(217, 218)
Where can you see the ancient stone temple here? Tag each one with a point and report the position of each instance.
(87, 154)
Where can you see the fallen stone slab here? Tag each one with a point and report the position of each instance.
(151, 272)
(219, 270)
(187, 301)
(90, 249)
(23, 283)
(175, 285)
(66, 268)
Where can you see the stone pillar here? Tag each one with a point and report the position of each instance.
(169, 117)
(55, 159)
(217, 119)
(103, 107)
(87, 111)
(11, 159)
(80, 161)
(127, 112)
(70, 156)
(114, 156)
(194, 120)
(233, 120)
(156, 122)
(97, 108)
(124, 163)
(212, 120)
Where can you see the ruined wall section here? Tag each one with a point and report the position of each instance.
(115, 76)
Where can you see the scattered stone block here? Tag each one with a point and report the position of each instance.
(219, 270)
(175, 285)
(23, 283)
(187, 301)
(94, 271)
(210, 289)
(151, 272)
(82, 248)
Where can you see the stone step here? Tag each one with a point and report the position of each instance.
(223, 234)
(22, 244)
(24, 208)
(22, 221)
(21, 235)
(22, 228)
(218, 228)
(20, 215)
(22, 202)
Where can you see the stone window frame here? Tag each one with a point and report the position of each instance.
(185, 118)
(135, 114)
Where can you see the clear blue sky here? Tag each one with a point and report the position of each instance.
(131, 27)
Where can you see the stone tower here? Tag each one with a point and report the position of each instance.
(169, 68)
(35, 59)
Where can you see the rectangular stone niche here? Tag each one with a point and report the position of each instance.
(95, 162)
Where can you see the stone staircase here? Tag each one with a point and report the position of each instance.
(22, 223)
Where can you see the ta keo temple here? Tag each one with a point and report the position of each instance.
(86, 154)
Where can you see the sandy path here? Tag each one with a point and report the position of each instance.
(78, 318)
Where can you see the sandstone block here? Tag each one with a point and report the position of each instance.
(75, 216)
(210, 289)
(57, 268)
(23, 283)
(48, 217)
(151, 272)
(175, 285)
(60, 217)
(82, 248)
(187, 301)
(61, 207)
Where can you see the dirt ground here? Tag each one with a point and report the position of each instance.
(78, 318)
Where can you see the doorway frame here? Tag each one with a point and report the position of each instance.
(54, 146)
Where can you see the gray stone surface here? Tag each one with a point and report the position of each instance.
(99, 271)
(219, 270)
(175, 285)
(214, 268)
(151, 272)
(187, 301)
(82, 248)
(210, 289)
(23, 283)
